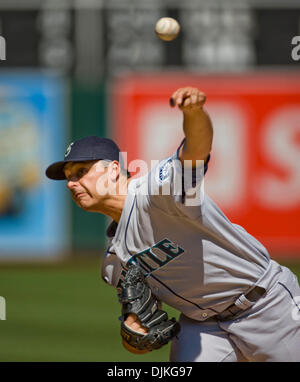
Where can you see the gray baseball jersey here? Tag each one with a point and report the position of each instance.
(195, 259)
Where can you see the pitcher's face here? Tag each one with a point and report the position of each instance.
(85, 180)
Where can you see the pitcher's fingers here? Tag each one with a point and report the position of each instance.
(194, 96)
(173, 98)
(182, 95)
(179, 95)
(131, 318)
(187, 102)
(138, 328)
(202, 97)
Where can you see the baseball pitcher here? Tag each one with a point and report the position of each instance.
(169, 242)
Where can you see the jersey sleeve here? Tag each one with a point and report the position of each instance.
(112, 269)
(169, 181)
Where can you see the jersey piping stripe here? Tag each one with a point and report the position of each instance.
(108, 250)
(149, 274)
(290, 293)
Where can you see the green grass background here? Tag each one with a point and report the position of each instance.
(64, 312)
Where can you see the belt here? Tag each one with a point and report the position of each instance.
(233, 310)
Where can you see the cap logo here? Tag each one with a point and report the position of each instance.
(164, 171)
(69, 149)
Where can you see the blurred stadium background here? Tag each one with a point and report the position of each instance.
(92, 67)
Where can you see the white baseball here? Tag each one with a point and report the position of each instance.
(167, 28)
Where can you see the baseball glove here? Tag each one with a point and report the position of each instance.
(136, 297)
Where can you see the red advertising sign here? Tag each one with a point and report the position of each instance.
(254, 172)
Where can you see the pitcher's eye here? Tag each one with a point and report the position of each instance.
(81, 171)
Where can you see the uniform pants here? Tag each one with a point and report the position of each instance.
(269, 331)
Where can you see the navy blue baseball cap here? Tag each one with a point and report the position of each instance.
(85, 149)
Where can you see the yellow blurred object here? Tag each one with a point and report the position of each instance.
(5, 197)
(30, 175)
